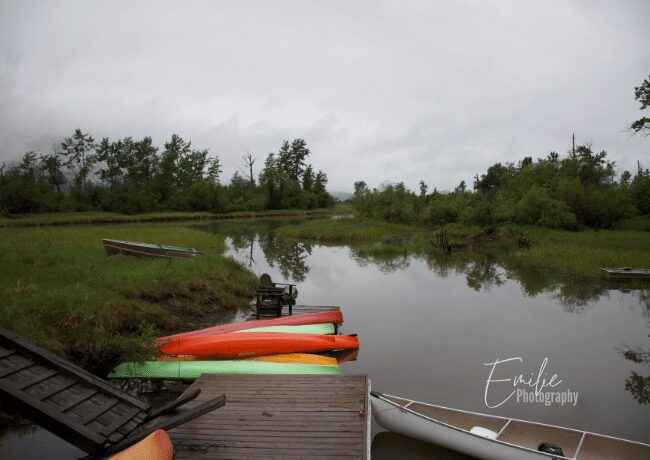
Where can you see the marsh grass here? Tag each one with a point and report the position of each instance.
(97, 217)
(347, 231)
(578, 253)
(585, 252)
(61, 290)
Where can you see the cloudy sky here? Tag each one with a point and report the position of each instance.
(381, 90)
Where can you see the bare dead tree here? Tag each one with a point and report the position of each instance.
(2, 171)
(249, 161)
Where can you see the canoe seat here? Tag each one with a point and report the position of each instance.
(272, 297)
(480, 431)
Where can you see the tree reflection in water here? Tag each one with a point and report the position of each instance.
(482, 270)
(290, 256)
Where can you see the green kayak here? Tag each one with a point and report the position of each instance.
(190, 370)
(326, 328)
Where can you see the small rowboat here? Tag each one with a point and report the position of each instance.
(234, 346)
(497, 438)
(626, 272)
(147, 249)
(335, 317)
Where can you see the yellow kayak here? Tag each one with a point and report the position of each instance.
(296, 358)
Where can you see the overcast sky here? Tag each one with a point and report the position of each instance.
(381, 90)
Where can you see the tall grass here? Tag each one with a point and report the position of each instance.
(61, 290)
(344, 231)
(579, 253)
(584, 252)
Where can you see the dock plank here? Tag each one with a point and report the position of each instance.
(278, 416)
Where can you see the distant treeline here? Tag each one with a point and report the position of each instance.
(579, 190)
(133, 176)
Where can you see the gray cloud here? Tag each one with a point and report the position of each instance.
(381, 90)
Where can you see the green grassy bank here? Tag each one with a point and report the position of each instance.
(80, 218)
(580, 253)
(59, 289)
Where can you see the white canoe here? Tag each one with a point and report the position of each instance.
(496, 438)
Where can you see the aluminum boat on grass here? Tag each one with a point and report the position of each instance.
(497, 438)
(147, 249)
(626, 272)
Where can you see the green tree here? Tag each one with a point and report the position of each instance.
(642, 95)
(112, 160)
(52, 168)
(79, 159)
(214, 170)
(308, 178)
(142, 162)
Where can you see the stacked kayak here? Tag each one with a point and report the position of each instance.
(334, 317)
(189, 370)
(234, 346)
(297, 358)
(323, 329)
(284, 345)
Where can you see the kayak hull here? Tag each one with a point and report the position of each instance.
(234, 346)
(322, 329)
(190, 370)
(297, 358)
(157, 445)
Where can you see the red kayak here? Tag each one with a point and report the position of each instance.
(229, 346)
(335, 317)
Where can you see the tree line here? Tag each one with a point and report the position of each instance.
(134, 176)
(578, 190)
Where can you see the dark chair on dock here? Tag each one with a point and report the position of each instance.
(272, 297)
(76, 405)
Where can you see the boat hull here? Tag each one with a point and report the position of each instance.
(408, 424)
(233, 346)
(147, 249)
(322, 329)
(297, 358)
(505, 438)
(626, 272)
(190, 370)
(157, 445)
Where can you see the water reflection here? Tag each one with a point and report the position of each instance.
(289, 256)
(393, 446)
(463, 309)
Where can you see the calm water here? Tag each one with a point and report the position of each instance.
(428, 323)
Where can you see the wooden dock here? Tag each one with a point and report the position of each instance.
(297, 310)
(279, 416)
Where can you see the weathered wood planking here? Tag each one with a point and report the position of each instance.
(63, 398)
(278, 416)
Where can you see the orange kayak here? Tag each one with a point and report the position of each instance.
(157, 445)
(256, 344)
(335, 317)
(297, 358)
